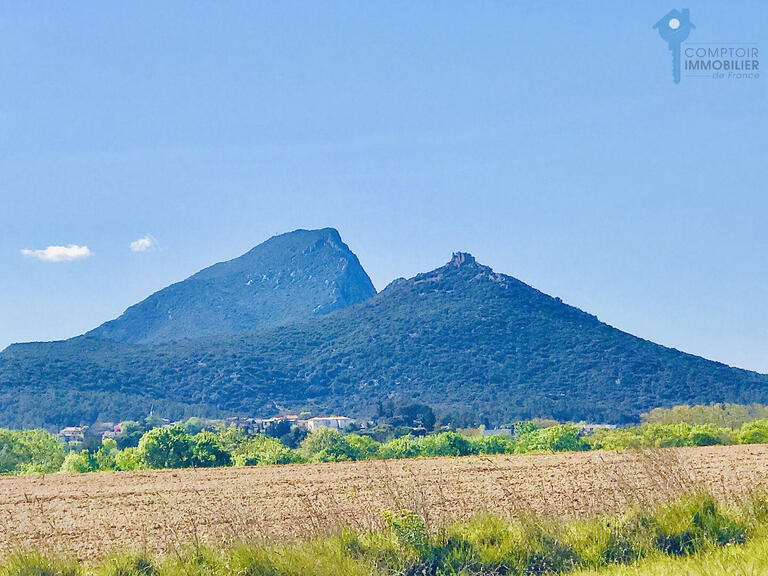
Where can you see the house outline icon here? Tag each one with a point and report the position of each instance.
(674, 28)
(675, 35)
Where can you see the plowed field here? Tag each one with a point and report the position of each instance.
(91, 515)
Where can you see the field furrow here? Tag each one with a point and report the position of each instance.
(91, 515)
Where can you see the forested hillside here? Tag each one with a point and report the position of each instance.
(476, 345)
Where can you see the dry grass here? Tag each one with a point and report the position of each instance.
(92, 515)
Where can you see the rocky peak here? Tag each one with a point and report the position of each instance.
(460, 259)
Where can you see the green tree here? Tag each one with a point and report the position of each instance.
(665, 435)
(207, 451)
(558, 438)
(754, 432)
(261, 450)
(524, 427)
(709, 435)
(166, 448)
(193, 425)
(105, 456)
(619, 439)
(496, 444)
(294, 437)
(414, 415)
(232, 437)
(29, 452)
(130, 434)
(128, 459)
(446, 444)
(364, 447)
(327, 445)
(403, 447)
(78, 462)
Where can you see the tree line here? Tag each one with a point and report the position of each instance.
(38, 451)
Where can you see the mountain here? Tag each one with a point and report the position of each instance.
(474, 344)
(289, 277)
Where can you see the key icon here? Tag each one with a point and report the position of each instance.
(674, 28)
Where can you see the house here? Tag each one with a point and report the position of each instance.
(335, 422)
(100, 430)
(73, 433)
(263, 425)
(247, 425)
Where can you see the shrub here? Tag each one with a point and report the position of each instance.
(694, 523)
(327, 445)
(665, 435)
(408, 529)
(724, 415)
(261, 450)
(496, 444)
(78, 462)
(21, 564)
(403, 447)
(620, 439)
(127, 564)
(661, 435)
(553, 439)
(446, 444)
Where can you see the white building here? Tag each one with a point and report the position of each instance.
(335, 422)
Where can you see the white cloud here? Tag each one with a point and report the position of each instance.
(143, 244)
(59, 253)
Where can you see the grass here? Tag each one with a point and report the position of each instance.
(748, 560)
(692, 536)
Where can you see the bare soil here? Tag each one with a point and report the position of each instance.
(92, 515)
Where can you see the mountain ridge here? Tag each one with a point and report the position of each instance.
(477, 345)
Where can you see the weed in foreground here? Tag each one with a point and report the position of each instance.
(34, 564)
(483, 545)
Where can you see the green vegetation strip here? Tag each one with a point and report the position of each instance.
(37, 451)
(695, 527)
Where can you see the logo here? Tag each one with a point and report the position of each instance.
(674, 29)
(713, 60)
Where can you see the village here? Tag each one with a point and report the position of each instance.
(268, 426)
(274, 426)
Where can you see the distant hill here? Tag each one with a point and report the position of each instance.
(287, 278)
(472, 343)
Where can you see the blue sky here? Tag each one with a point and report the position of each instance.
(547, 138)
